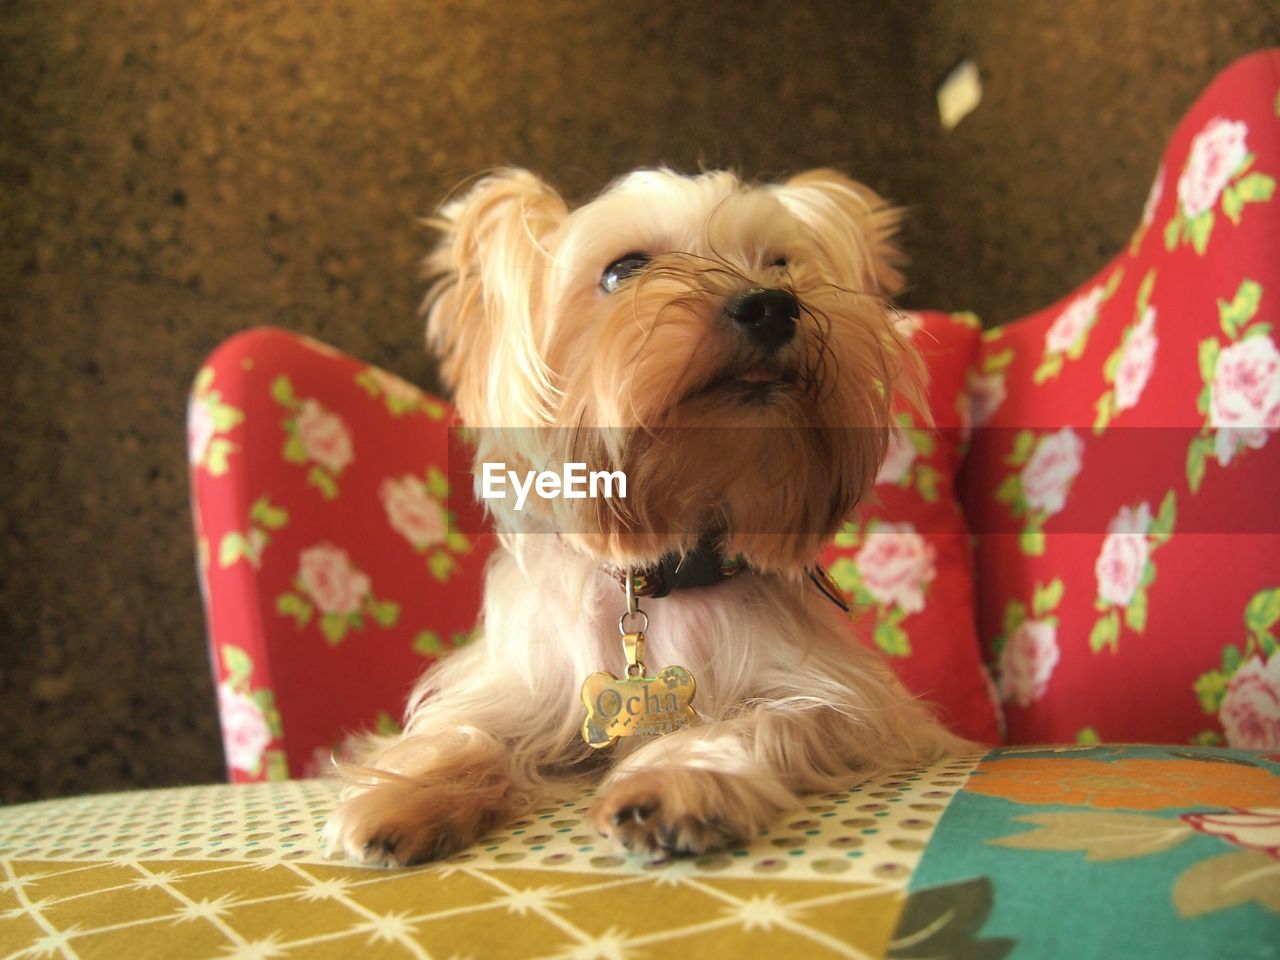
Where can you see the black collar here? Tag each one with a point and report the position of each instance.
(705, 566)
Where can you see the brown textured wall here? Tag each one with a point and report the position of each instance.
(175, 171)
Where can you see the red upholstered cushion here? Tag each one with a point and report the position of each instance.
(1124, 484)
(330, 577)
(907, 562)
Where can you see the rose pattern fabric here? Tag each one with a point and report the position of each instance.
(400, 396)
(1124, 556)
(898, 459)
(314, 435)
(1068, 335)
(986, 393)
(329, 584)
(1047, 476)
(413, 512)
(1027, 649)
(906, 463)
(324, 437)
(1137, 361)
(1125, 568)
(888, 568)
(415, 509)
(1241, 395)
(1217, 173)
(1250, 711)
(1026, 663)
(300, 553)
(1244, 691)
(1046, 467)
(1244, 398)
(245, 730)
(1149, 634)
(1216, 154)
(1129, 367)
(1074, 322)
(209, 421)
(200, 431)
(895, 565)
(249, 718)
(1155, 196)
(334, 585)
(250, 543)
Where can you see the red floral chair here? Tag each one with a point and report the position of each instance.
(332, 573)
(1123, 477)
(1094, 523)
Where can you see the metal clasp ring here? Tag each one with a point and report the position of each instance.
(633, 608)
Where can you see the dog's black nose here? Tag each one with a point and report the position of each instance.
(766, 316)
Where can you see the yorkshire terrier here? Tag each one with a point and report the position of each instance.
(732, 349)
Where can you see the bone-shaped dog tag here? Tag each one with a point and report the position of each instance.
(636, 705)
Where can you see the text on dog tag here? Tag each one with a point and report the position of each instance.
(636, 706)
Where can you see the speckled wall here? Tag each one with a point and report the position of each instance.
(176, 171)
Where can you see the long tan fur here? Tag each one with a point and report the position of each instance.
(550, 367)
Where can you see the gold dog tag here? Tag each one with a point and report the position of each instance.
(636, 705)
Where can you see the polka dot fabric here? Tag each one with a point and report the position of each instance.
(875, 831)
(256, 822)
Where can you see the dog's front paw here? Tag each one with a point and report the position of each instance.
(442, 795)
(401, 823)
(678, 810)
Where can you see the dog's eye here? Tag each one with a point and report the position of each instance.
(780, 262)
(621, 270)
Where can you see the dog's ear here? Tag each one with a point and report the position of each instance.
(851, 223)
(487, 274)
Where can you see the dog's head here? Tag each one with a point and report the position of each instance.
(730, 347)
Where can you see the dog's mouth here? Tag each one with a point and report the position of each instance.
(761, 375)
(752, 384)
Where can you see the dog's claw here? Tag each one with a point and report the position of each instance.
(381, 850)
(637, 813)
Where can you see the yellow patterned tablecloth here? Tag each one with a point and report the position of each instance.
(1035, 853)
(237, 872)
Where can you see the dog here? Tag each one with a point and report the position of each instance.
(731, 349)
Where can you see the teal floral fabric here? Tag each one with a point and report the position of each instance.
(1103, 852)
